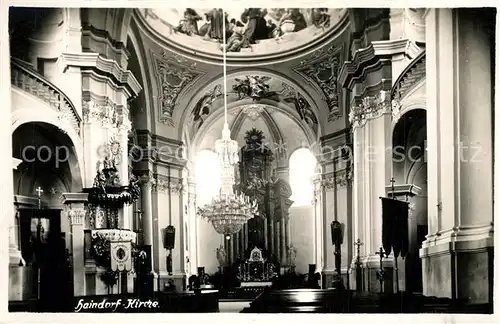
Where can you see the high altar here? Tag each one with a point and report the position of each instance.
(261, 247)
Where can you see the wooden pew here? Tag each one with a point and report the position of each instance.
(341, 301)
(296, 300)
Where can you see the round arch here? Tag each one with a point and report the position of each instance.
(30, 115)
(181, 117)
(302, 164)
(219, 113)
(64, 138)
(138, 51)
(406, 105)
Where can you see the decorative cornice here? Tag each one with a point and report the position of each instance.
(369, 56)
(371, 107)
(74, 197)
(103, 66)
(403, 190)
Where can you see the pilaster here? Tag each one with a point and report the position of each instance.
(460, 163)
(192, 228)
(16, 261)
(75, 210)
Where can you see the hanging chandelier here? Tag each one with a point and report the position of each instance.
(228, 211)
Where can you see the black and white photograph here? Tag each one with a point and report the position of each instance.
(249, 160)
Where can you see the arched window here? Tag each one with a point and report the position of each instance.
(207, 177)
(302, 167)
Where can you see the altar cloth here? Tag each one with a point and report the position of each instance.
(256, 284)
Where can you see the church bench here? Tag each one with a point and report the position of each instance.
(295, 300)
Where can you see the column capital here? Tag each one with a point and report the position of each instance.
(371, 107)
(76, 216)
(146, 179)
(172, 185)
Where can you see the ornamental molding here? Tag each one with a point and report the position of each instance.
(371, 107)
(24, 77)
(336, 180)
(76, 216)
(107, 115)
(103, 66)
(171, 185)
(146, 180)
(353, 70)
(174, 74)
(411, 76)
(322, 69)
(169, 154)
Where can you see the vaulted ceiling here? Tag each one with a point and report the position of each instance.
(297, 73)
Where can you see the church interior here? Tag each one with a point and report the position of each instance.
(252, 159)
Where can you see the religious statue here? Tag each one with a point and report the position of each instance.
(188, 25)
(292, 254)
(221, 256)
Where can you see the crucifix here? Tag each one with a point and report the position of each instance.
(38, 240)
(392, 181)
(381, 273)
(358, 243)
(39, 192)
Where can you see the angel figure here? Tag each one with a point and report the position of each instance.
(202, 108)
(303, 109)
(258, 89)
(221, 255)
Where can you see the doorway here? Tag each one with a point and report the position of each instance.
(43, 247)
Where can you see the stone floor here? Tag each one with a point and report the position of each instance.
(227, 306)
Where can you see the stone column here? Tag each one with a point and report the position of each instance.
(16, 261)
(75, 209)
(122, 134)
(373, 117)
(192, 226)
(147, 215)
(460, 163)
(246, 236)
(318, 221)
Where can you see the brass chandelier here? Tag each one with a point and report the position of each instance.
(228, 211)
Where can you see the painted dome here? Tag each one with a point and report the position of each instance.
(249, 33)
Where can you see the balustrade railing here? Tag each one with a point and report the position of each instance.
(24, 77)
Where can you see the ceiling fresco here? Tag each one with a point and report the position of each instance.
(248, 32)
(252, 91)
